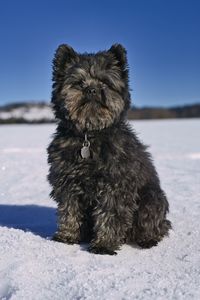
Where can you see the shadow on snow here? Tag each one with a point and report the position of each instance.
(39, 220)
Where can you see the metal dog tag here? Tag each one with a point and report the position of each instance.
(85, 150)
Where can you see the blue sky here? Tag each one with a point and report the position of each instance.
(162, 38)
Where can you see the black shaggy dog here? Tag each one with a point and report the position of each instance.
(104, 182)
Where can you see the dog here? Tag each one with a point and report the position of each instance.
(102, 177)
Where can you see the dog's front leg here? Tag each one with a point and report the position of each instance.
(111, 219)
(70, 220)
(106, 231)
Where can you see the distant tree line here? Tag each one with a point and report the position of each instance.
(135, 113)
(187, 111)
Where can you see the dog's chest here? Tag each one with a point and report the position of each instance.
(86, 150)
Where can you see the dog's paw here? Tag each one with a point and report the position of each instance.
(147, 244)
(64, 239)
(101, 250)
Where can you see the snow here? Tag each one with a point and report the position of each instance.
(34, 267)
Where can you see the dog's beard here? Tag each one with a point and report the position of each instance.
(92, 114)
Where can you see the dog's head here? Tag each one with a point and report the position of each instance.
(90, 90)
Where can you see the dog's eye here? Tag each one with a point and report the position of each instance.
(112, 84)
(103, 86)
(79, 83)
(107, 83)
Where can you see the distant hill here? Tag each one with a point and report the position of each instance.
(41, 112)
(26, 113)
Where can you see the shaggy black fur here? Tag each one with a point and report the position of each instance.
(113, 196)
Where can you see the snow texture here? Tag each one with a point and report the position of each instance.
(34, 267)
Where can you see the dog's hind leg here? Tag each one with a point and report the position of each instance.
(151, 222)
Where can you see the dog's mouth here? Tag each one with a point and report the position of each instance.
(95, 102)
(96, 110)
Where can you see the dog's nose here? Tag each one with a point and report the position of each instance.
(91, 91)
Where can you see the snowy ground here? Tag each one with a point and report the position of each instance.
(34, 267)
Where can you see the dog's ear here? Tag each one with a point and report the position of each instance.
(64, 56)
(120, 54)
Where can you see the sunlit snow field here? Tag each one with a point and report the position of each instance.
(34, 267)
